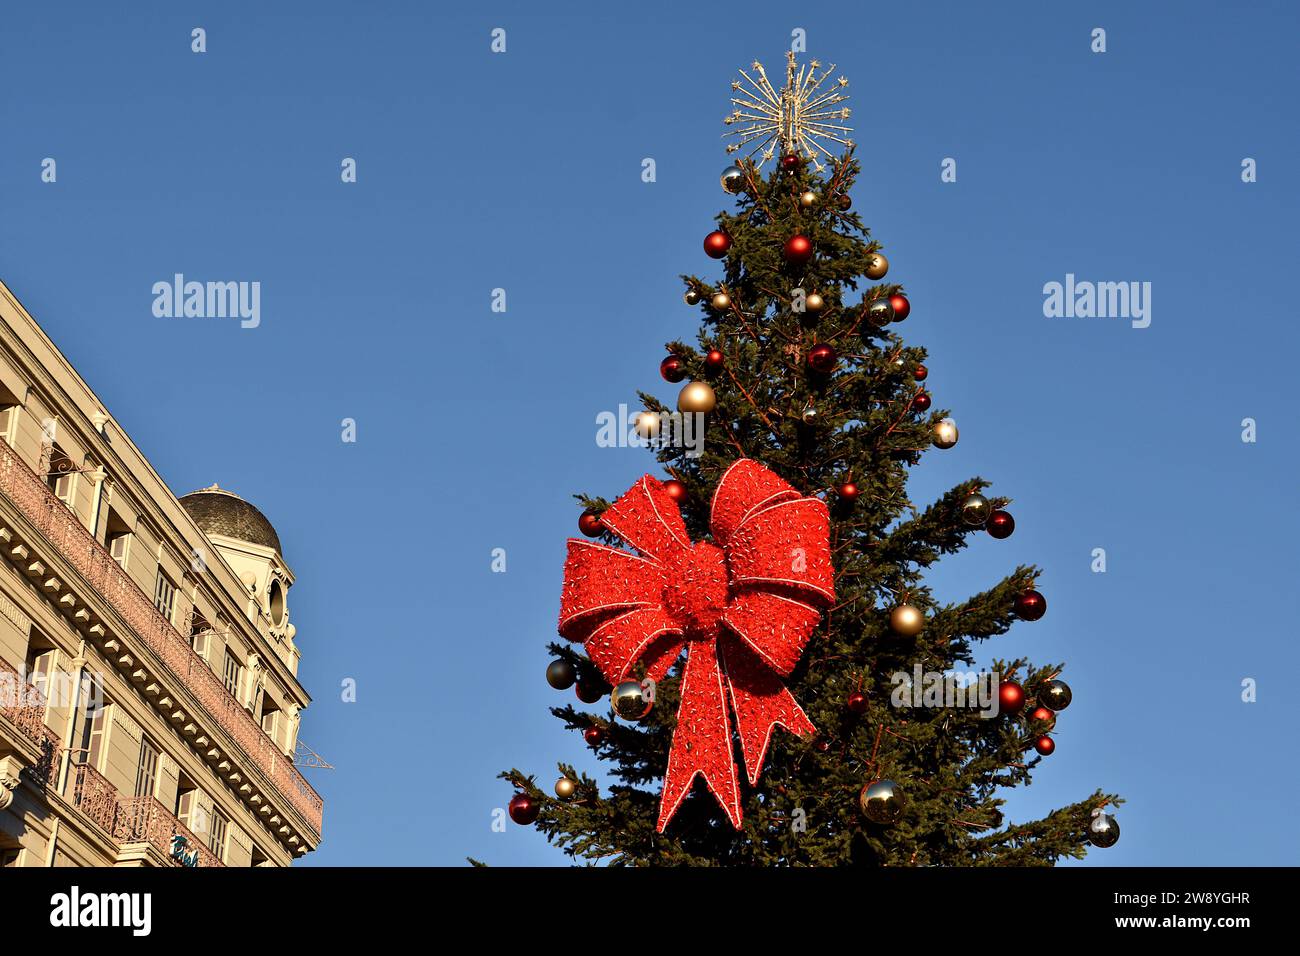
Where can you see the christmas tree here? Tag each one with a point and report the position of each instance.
(790, 592)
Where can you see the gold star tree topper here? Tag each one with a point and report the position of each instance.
(799, 118)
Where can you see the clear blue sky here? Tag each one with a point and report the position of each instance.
(522, 171)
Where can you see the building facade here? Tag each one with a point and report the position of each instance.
(149, 699)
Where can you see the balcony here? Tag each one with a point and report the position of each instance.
(134, 820)
(23, 705)
(66, 534)
(145, 820)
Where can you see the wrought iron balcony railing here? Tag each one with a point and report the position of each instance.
(58, 525)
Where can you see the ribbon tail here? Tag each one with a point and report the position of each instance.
(702, 741)
(761, 701)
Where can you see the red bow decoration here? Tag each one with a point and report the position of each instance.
(743, 607)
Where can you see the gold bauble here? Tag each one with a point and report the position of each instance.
(975, 510)
(814, 303)
(808, 199)
(565, 787)
(629, 700)
(721, 301)
(907, 620)
(648, 425)
(877, 266)
(691, 297)
(733, 179)
(881, 801)
(945, 434)
(696, 397)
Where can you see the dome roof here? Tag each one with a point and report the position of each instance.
(218, 511)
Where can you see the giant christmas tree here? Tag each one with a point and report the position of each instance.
(789, 592)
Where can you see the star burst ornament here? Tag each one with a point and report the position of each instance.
(797, 119)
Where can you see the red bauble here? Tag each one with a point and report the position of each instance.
(593, 735)
(589, 691)
(1045, 745)
(713, 361)
(900, 305)
(920, 372)
(1041, 715)
(1011, 697)
(790, 162)
(676, 490)
(857, 702)
(1001, 524)
(716, 244)
(1030, 605)
(921, 401)
(822, 359)
(589, 524)
(848, 491)
(523, 809)
(822, 745)
(673, 369)
(798, 250)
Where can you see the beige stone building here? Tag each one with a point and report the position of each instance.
(149, 699)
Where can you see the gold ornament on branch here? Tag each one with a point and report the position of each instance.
(945, 433)
(797, 119)
(907, 620)
(696, 397)
(565, 787)
(648, 425)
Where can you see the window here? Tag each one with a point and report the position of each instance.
(187, 803)
(200, 630)
(8, 416)
(230, 674)
(164, 596)
(40, 667)
(146, 776)
(93, 728)
(117, 537)
(271, 718)
(9, 857)
(61, 475)
(275, 601)
(217, 835)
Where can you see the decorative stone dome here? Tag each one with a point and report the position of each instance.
(218, 511)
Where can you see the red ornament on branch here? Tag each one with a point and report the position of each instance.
(716, 244)
(713, 361)
(1045, 745)
(921, 401)
(1030, 605)
(797, 250)
(822, 359)
(739, 607)
(593, 735)
(589, 524)
(1011, 697)
(676, 490)
(523, 809)
(1001, 524)
(672, 368)
(902, 308)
